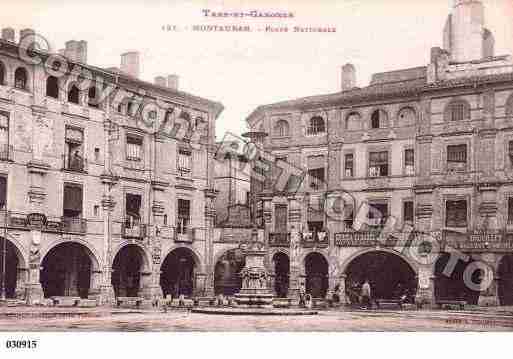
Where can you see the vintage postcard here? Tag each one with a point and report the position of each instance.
(255, 166)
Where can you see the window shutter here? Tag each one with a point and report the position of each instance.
(73, 198)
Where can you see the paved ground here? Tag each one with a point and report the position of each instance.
(64, 319)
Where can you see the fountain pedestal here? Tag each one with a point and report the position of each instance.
(255, 292)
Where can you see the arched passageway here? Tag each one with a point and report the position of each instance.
(227, 279)
(66, 271)
(316, 271)
(451, 286)
(126, 271)
(505, 274)
(178, 273)
(281, 274)
(389, 276)
(10, 276)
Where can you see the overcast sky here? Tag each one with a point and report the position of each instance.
(244, 70)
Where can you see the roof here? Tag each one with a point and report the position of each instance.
(410, 84)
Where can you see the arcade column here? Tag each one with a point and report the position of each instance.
(294, 222)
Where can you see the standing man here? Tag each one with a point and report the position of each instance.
(302, 295)
(366, 295)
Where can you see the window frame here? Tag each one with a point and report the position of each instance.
(185, 171)
(405, 164)
(140, 138)
(457, 166)
(346, 154)
(281, 128)
(57, 87)
(25, 86)
(180, 227)
(388, 164)
(317, 128)
(467, 215)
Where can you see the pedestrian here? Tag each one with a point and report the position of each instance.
(302, 292)
(366, 295)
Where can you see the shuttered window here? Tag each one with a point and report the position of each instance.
(456, 213)
(280, 218)
(73, 199)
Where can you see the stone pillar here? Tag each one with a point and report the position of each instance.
(34, 288)
(294, 222)
(21, 282)
(426, 287)
(210, 215)
(200, 284)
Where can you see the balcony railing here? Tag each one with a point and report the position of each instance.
(315, 239)
(6, 152)
(184, 234)
(74, 225)
(74, 163)
(133, 229)
(279, 239)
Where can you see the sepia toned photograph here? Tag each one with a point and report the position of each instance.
(255, 166)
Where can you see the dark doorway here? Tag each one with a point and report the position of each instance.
(66, 271)
(316, 270)
(227, 279)
(389, 276)
(505, 273)
(11, 268)
(126, 271)
(177, 273)
(452, 286)
(281, 272)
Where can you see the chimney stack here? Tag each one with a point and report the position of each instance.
(348, 77)
(76, 51)
(172, 82)
(130, 63)
(8, 34)
(160, 81)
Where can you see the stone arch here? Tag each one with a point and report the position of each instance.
(194, 253)
(227, 267)
(94, 255)
(353, 121)
(21, 251)
(316, 274)
(281, 270)
(144, 254)
(3, 73)
(408, 260)
(15, 268)
(402, 116)
(509, 106)
(67, 269)
(178, 272)
(379, 118)
(504, 272)
(457, 109)
(373, 265)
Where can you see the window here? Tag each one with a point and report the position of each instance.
(52, 87)
(316, 126)
(378, 119)
(3, 193)
(120, 108)
(409, 162)
(74, 94)
(456, 157)
(378, 164)
(2, 73)
(72, 201)
(408, 212)
(315, 165)
(378, 215)
(510, 210)
(315, 226)
(456, 213)
(134, 148)
(132, 210)
(97, 154)
(152, 115)
(348, 216)
(20, 78)
(349, 165)
(353, 122)
(92, 100)
(184, 162)
(74, 157)
(4, 137)
(281, 128)
(457, 110)
(96, 210)
(510, 152)
(280, 218)
(184, 216)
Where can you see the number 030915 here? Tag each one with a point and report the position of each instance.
(21, 344)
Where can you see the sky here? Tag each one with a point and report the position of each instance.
(244, 70)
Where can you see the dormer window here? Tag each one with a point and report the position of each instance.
(316, 126)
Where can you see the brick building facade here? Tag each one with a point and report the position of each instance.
(426, 152)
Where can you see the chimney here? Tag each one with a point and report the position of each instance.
(348, 77)
(76, 51)
(160, 81)
(172, 82)
(130, 63)
(26, 32)
(8, 34)
(466, 30)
